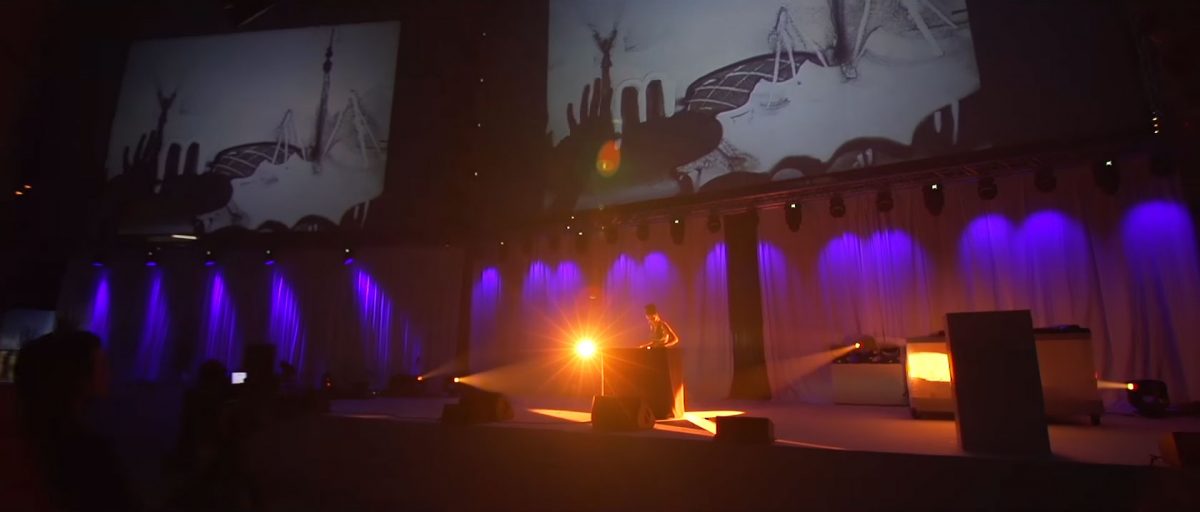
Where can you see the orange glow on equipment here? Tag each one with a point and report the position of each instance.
(930, 366)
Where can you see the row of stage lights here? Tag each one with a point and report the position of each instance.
(1105, 172)
(210, 258)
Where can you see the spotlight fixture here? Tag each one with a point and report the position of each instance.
(935, 198)
(837, 206)
(152, 257)
(347, 256)
(502, 251)
(420, 378)
(585, 348)
(714, 222)
(1148, 397)
(643, 231)
(987, 188)
(792, 216)
(677, 230)
(210, 259)
(1107, 176)
(1044, 179)
(883, 201)
(268, 258)
(457, 380)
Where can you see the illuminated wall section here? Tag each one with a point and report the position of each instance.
(151, 349)
(220, 323)
(284, 328)
(98, 319)
(375, 323)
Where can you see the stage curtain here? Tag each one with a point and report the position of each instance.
(1123, 265)
(528, 309)
(391, 311)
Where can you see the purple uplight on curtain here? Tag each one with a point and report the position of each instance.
(1160, 247)
(220, 322)
(485, 308)
(986, 260)
(284, 328)
(149, 360)
(98, 321)
(375, 320)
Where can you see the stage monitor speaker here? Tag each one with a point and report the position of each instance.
(621, 413)
(477, 406)
(998, 399)
(1181, 449)
(744, 430)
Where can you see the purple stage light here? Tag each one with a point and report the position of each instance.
(154, 331)
(220, 325)
(98, 321)
(347, 261)
(151, 263)
(375, 320)
(284, 327)
(98, 264)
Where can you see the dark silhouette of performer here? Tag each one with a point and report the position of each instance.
(662, 335)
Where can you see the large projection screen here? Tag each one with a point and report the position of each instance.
(275, 130)
(711, 94)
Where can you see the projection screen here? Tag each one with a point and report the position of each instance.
(656, 98)
(275, 130)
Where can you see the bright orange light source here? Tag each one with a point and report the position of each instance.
(420, 378)
(858, 345)
(608, 160)
(457, 380)
(585, 348)
(931, 366)
(1131, 386)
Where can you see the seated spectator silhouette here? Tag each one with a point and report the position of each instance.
(57, 377)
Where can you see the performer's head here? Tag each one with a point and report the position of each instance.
(652, 312)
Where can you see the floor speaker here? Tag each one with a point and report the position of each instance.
(1181, 449)
(621, 413)
(476, 406)
(744, 430)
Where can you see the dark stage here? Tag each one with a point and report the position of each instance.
(393, 455)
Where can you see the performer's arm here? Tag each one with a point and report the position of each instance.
(672, 337)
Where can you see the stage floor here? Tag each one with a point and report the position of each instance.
(1120, 439)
